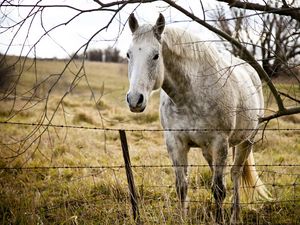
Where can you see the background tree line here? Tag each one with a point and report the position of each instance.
(108, 54)
(6, 76)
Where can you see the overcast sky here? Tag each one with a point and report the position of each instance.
(67, 39)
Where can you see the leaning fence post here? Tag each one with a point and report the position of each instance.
(130, 180)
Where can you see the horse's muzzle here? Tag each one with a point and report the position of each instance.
(136, 102)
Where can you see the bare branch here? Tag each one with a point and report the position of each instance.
(115, 7)
(280, 113)
(244, 53)
(290, 97)
(286, 10)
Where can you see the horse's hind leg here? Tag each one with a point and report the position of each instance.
(178, 151)
(219, 149)
(241, 155)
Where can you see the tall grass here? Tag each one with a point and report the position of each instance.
(99, 195)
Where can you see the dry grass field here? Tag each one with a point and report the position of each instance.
(75, 175)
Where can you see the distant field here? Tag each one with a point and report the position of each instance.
(95, 97)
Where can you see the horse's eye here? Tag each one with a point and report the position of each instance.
(128, 56)
(155, 57)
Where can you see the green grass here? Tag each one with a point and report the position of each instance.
(100, 195)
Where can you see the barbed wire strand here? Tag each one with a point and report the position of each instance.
(143, 130)
(143, 166)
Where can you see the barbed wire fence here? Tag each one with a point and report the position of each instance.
(139, 171)
(137, 196)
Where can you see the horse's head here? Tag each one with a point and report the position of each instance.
(145, 63)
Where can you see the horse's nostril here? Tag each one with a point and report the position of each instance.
(141, 99)
(127, 98)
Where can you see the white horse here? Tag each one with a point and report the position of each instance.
(200, 90)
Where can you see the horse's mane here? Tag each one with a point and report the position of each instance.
(181, 43)
(189, 46)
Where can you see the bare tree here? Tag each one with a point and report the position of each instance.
(112, 55)
(95, 55)
(274, 40)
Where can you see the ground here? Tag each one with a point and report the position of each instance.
(75, 174)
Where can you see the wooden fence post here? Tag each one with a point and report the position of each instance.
(130, 180)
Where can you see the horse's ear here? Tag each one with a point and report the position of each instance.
(133, 23)
(159, 26)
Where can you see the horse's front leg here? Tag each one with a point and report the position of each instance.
(219, 149)
(178, 151)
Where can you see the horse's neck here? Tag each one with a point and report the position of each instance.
(176, 82)
(183, 77)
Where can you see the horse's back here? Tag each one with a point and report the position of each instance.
(250, 105)
(249, 85)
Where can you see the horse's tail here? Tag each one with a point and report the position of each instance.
(251, 183)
